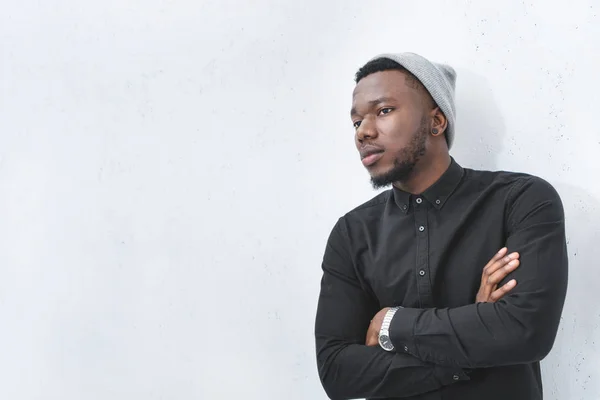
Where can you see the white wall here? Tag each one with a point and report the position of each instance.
(170, 170)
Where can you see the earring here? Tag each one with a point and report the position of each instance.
(434, 131)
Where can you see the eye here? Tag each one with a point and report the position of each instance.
(356, 124)
(386, 110)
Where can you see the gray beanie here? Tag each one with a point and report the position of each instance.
(438, 79)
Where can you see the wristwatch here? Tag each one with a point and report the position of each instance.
(384, 333)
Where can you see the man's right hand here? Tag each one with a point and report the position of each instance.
(497, 269)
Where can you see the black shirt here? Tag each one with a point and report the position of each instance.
(426, 253)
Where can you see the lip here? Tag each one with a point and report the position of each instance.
(370, 155)
(371, 159)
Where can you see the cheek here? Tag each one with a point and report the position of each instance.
(394, 130)
(401, 125)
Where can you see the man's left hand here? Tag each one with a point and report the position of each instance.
(375, 327)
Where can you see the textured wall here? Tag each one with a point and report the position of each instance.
(170, 170)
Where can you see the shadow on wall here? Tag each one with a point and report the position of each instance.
(571, 370)
(480, 127)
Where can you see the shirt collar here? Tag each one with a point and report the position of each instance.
(436, 194)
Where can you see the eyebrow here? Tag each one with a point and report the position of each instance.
(372, 103)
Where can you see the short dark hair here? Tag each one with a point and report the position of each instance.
(385, 64)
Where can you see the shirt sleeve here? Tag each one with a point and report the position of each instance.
(347, 367)
(519, 328)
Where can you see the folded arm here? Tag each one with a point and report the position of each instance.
(347, 367)
(519, 328)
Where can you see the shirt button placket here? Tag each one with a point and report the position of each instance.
(424, 285)
(419, 200)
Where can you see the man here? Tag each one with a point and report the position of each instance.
(410, 307)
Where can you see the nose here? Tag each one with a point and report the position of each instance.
(366, 131)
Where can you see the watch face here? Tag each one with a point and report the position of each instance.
(385, 342)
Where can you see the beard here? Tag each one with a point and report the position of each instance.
(405, 162)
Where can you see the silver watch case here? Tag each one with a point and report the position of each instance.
(384, 340)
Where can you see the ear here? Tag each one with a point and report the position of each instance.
(439, 123)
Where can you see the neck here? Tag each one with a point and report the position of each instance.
(425, 174)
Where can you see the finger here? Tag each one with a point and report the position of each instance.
(488, 280)
(498, 294)
(484, 293)
(503, 272)
(499, 264)
(501, 261)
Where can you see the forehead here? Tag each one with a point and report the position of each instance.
(385, 84)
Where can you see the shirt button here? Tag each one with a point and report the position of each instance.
(422, 272)
(419, 200)
(406, 349)
(456, 377)
(404, 207)
(438, 201)
(421, 228)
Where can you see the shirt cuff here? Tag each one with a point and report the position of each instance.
(402, 330)
(403, 339)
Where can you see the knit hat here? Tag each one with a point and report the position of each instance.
(438, 79)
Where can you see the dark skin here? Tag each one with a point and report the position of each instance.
(389, 110)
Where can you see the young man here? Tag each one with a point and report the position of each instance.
(408, 306)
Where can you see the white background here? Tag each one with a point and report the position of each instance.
(170, 171)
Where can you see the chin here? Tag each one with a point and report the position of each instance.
(381, 177)
(378, 171)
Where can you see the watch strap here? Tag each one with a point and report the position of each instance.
(387, 319)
